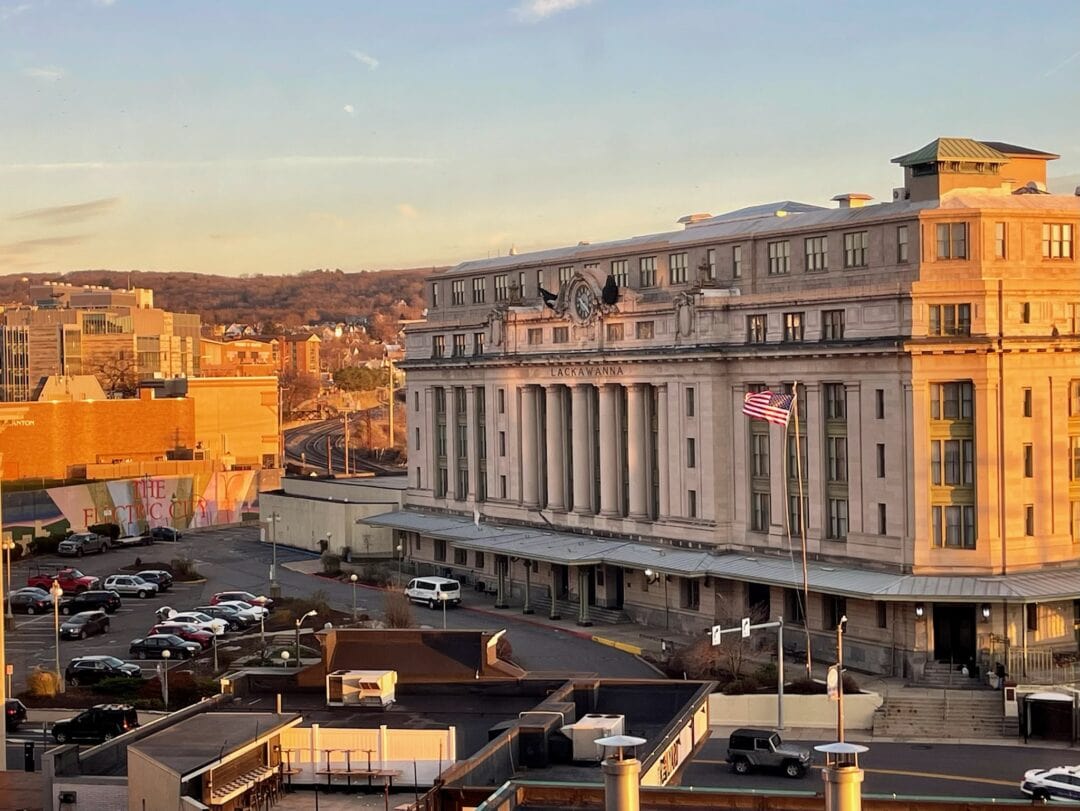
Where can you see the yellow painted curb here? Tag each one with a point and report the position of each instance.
(623, 646)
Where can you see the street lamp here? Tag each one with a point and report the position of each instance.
(299, 622)
(8, 546)
(57, 593)
(652, 577)
(352, 579)
(166, 655)
(400, 549)
(285, 658)
(275, 588)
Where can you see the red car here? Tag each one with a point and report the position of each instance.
(189, 633)
(72, 581)
(242, 596)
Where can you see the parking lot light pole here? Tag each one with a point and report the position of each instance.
(275, 587)
(166, 655)
(353, 579)
(299, 622)
(285, 658)
(400, 549)
(57, 592)
(8, 546)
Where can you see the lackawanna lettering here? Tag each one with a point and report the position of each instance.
(587, 371)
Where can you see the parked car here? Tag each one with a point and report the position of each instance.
(130, 584)
(30, 601)
(159, 576)
(203, 622)
(750, 749)
(243, 596)
(83, 670)
(72, 581)
(84, 624)
(96, 600)
(229, 613)
(165, 534)
(184, 630)
(433, 591)
(247, 611)
(151, 647)
(1059, 783)
(102, 722)
(133, 540)
(82, 543)
(14, 713)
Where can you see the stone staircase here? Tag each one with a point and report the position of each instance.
(913, 713)
(568, 609)
(944, 676)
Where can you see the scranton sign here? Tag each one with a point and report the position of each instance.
(587, 371)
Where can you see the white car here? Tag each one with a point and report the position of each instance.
(254, 612)
(204, 622)
(131, 585)
(1061, 783)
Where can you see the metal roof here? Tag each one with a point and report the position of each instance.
(1014, 149)
(952, 149)
(574, 549)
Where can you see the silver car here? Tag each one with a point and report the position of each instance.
(131, 585)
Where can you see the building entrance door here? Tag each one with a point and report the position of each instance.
(954, 632)
(562, 582)
(615, 587)
(758, 598)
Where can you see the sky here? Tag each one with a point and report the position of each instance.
(273, 136)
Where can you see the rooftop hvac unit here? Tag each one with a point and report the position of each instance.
(361, 688)
(588, 729)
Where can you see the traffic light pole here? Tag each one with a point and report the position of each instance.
(745, 629)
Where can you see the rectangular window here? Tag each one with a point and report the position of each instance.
(1074, 398)
(759, 455)
(1074, 459)
(502, 289)
(949, 319)
(438, 346)
(1027, 402)
(798, 509)
(691, 593)
(759, 512)
(566, 273)
(1029, 461)
(817, 254)
(691, 452)
(832, 325)
(460, 557)
(954, 526)
(677, 267)
(952, 240)
(999, 240)
(951, 401)
(952, 462)
(836, 458)
(710, 262)
(834, 609)
(882, 520)
(502, 486)
(736, 261)
(560, 335)
(478, 343)
(620, 269)
(779, 257)
(416, 401)
(502, 443)
(457, 291)
(647, 271)
(1074, 521)
(478, 290)
(500, 400)
(901, 244)
(614, 332)
(881, 460)
(435, 296)
(1029, 519)
(439, 547)
(592, 266)
(793, 327)
(879, 404)
(521, 282)
(416, 440)
(793, 606)
(691, 405)
(691, 503)
(838, 519)
(459, 345)
(855, 245)
(478, 560)
(539, 280)
(882, 614)
(756, 328)
(643, 329)
(835, 401)
(535, 336)
(1057, 240)
(1031, 612)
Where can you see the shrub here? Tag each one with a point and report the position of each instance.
(331, 563)
(184, 568)
(116, 688)
(698, 660)
(747, 684)
(42, 683)
(376, 574)
(45, 545)
(766, 674)
(398, 611)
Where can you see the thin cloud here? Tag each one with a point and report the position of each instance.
(66, 215)
(104, 3)
(276, 162)
(408, 211)
(349, 110)
(1061, 65)
(7, 12)
(364, 59)
(29, 246)
(45, 73)
(533, 11)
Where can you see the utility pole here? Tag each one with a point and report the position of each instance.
(346, 442)
(390, 399)
(744, 630)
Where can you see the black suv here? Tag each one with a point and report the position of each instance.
(165, 534)
(159, 576)
(91, 669)
(762, 749)
(14, 714)
(98, 600)
(102, 722)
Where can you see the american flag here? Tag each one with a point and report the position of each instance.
(764, 405)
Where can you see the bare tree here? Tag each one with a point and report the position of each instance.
(296, 389)
(118, 376)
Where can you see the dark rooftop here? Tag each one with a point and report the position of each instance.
(198, 741)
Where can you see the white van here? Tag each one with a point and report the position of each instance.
(433, 590)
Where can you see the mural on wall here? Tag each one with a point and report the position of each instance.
(184, 502)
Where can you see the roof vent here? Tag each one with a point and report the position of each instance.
(852, 200)
(900, 193)
(694, 219)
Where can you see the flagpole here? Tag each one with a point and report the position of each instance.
(802, 527)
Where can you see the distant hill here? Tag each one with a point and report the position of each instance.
(309, 297)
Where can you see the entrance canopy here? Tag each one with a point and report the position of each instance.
(573, 549)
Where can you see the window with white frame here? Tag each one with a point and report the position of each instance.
(952, 240)
(779, 257)
(677, 264)
(817, 254)
(620, 269)
(1057, 240)
(647, 271)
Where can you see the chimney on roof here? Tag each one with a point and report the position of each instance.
(513, 251)
(852, 200)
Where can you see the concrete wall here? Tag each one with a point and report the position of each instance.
(238, 415)
(92, 794)
(150, 785)
(800, 712)
(304, 521)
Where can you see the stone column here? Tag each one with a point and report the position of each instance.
(527, 608)
(583, 596)
(609, 451)
(664, 450)
(856, 508)
(472, 436)
(637, 452)
(502, 563)
(530, 484)
(582, 455)
(556, 442)
(553, 613)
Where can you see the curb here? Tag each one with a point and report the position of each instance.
(626, 647)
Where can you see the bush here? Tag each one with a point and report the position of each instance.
(747, 684)
(184, 568)
(375, 574)
(331, 563)
(766, 674)
(398, 611)
(122, 688)
(698, 660)
(42, 683)
(46, 545)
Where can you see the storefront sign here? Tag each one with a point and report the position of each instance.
(587, 371)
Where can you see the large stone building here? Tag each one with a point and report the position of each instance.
(576, 422)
